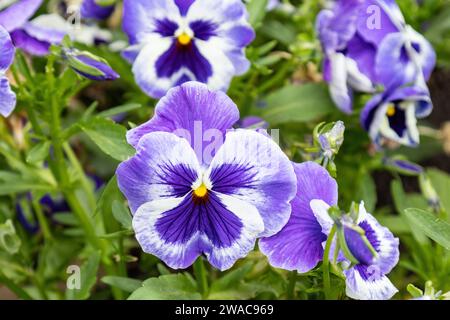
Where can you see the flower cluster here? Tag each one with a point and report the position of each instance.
(196, 186)
(369, 48)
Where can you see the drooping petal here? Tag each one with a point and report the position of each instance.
(194, 112)
(164, 166)
(363, 53)
(179, 230)
(7, 97)
(15, 15)
(298, 246)
(367, 283)
(339, 90)
(6, 50)
(251, 167)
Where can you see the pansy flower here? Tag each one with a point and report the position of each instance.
(7, 96)
(175, 41)
(367, 44)
(392, 115)
(299, 245)
(187, 199)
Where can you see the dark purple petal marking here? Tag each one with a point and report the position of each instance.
(179, 176)
(398, 121)
(357, 246)
(166, 27)
(203, 29)
(188, 56)
(230, 177)
(208, 216)
(184, 5)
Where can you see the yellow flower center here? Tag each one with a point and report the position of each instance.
(201, 191)
(390, 112)
(184, 39)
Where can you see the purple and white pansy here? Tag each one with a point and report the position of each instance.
(94, 9)
(393, 115)
(185, 204)
(175, 41)
(300, 244)
(7, 96)
(14, 14)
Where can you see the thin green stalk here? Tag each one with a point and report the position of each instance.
(42, 219)
(291, 285)
(84, 181)
(326, 264)
(201, 276)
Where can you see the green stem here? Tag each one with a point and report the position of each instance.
(326, 264)
(291, 285)
(200, 275)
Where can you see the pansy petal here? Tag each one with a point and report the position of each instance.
(29, 44)
(7, 98)
(192, 111)
(298, 246)
(366, 283)
(18, 13)
(339, 90)
(91, 10)
(386, 244)
(140, 16)
(164, 166)
(253, 168)
(377, 19)
(6, 50)
(179, 230)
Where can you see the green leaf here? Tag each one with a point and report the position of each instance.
(167, 287)
(109, 137)
(402, 201)
(88, 274)
(39, 152)
(433, 227)
(297, 104)
(232, 285)
(125, 284)
(120, 109)
(257, 11)
(24, 186)
(121, 214)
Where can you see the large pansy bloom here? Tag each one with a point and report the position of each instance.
(7, 96)
(175, 41)
(392, 115)
(363, 38)
(366, 279)
(184, 206)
